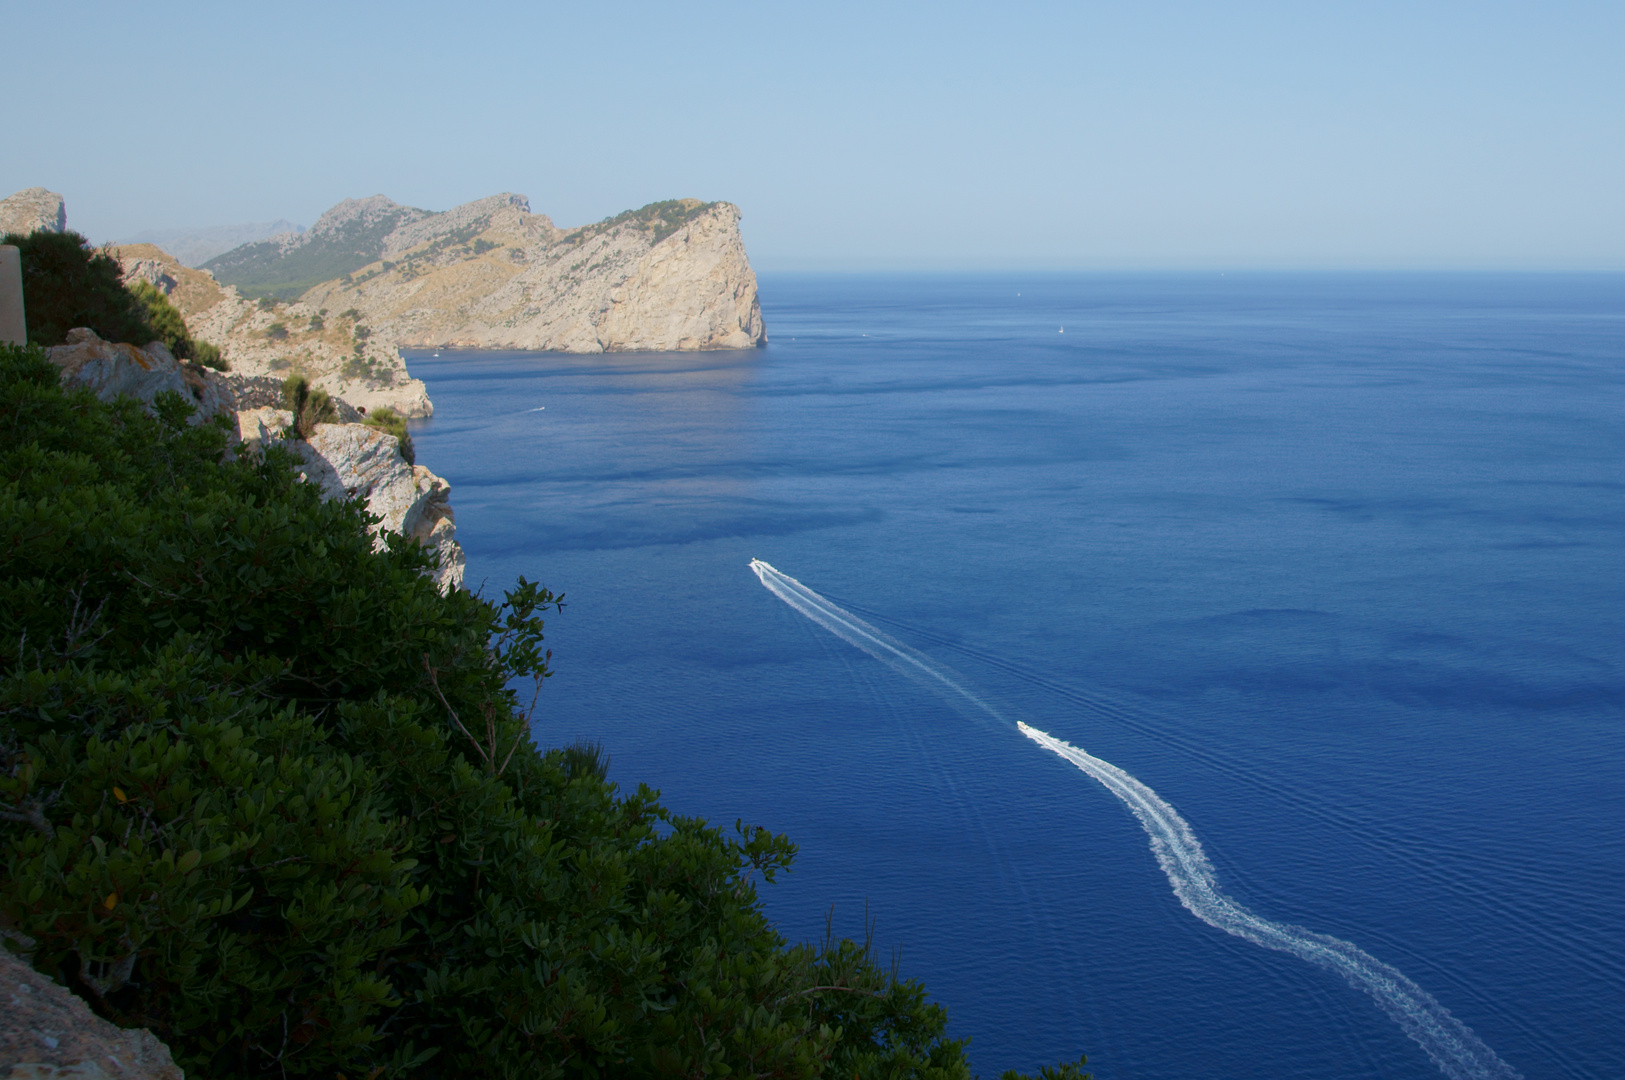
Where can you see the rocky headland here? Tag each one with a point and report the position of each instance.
(490, 274)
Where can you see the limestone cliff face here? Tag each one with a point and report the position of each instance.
(490, 274)
(33, 209)
(344, 460)
(355, 461)
(283, 339)
(114, 369)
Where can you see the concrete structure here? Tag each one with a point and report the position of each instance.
(13, 324)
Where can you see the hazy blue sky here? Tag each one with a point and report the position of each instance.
(1091, 135)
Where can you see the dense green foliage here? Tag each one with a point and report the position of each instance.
(266, 791)
(67, 283)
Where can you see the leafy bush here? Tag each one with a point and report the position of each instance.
(266, 791)
(169, 327)
(67, 283)
(309, 406)
(393, 423)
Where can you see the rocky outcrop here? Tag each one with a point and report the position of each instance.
(347, 460)
(490, 274)
(113, 369)
(276, 339)
(31, 210)
(47, 1033)
(282, 339)
(356, 461)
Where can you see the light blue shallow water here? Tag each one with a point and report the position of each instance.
(1336, 565)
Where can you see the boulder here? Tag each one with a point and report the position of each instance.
(47, 1033)
(31, 210)
(109, 369)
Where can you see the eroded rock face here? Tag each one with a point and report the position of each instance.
(110, 369)
(47, 1032)
(356, 461)
(31, 210)
(490, 274)
(282, 339)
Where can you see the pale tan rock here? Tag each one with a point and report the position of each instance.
(492, 275)
(32, 210)
(48, 1033)
(326, 356)
(353, 460)
(113, 369)
(258, 427)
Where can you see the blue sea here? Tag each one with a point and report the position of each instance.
(1333, 565)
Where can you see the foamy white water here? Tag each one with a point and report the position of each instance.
(1450, 1044)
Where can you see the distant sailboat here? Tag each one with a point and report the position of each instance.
(1063, 330)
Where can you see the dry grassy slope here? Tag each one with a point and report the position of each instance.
(510, 279)
(375, 378)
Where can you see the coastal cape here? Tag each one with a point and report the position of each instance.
(490, 274)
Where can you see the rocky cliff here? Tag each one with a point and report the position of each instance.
(32, 209)
(46, 1032)
(345, 460)
(490, 274)
(337, 353)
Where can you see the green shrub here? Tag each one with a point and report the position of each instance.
(309, 406)
(169, 327)
(393, 423)
(67, 283)
(209, 355)
(267, 792)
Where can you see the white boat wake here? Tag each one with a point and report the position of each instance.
(1452, 1046)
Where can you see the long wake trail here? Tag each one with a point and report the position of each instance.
(1452, 1046)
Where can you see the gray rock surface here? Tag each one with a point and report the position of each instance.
(356, 461)
(345, 459)
(33, 209)
(47, 1033)
(111, 369)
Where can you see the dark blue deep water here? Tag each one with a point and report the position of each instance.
(1335, 564)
